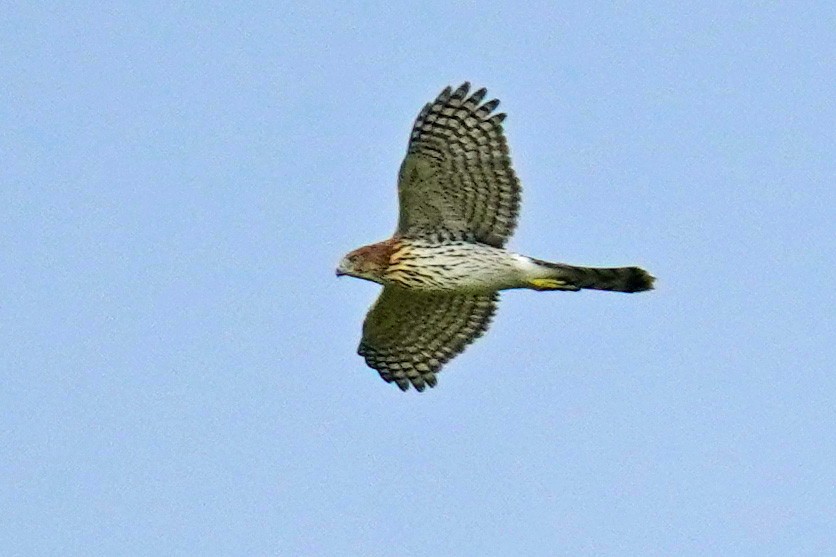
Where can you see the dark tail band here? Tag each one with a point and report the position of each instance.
(614, 279)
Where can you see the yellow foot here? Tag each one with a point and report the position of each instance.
(551, 284)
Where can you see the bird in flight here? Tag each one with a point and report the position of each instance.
(445, 265)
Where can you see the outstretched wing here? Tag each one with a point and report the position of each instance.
(457, 176)
(408, 336)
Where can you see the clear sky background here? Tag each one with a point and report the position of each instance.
(179, 181)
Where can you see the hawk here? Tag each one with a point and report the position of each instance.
(443, 268)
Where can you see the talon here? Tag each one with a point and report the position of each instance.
(553, 284)
(548, 284)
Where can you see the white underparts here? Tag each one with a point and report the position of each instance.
(527, 267)
(464, 266)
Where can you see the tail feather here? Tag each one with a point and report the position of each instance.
(614, 279)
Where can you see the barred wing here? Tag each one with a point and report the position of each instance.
(408, 336)
(457, 177)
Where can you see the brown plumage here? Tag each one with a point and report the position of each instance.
(443, 268)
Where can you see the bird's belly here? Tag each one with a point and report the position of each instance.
(470, 268)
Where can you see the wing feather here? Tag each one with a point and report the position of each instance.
(408, 336)
(457, 179)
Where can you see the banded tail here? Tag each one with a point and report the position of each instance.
(614, 279)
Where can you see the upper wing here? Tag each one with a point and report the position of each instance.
(457, 176)
(408, 336)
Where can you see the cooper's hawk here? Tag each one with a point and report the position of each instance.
(443, 268)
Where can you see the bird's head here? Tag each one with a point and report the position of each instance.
(368, 262)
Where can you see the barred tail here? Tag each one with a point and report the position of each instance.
(615, 279)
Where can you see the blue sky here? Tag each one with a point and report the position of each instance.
(178, 182)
